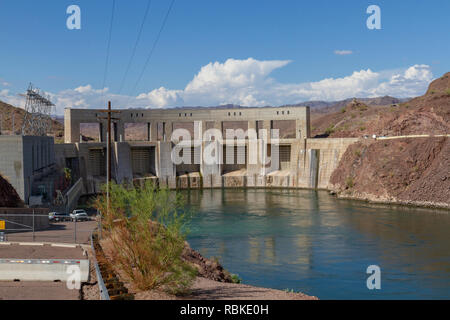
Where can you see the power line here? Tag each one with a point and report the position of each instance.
(108, 47)
(153, 48)
(135, 45)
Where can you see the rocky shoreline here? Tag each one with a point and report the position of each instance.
(390, 201)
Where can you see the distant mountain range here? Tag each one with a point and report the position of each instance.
(323, 106)
(330, 106)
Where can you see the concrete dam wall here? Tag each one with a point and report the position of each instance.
(309, 167)
(275, 150)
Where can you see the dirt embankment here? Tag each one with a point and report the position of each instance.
(8, 195)
(410, 171)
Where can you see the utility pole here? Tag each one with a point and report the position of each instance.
(109, 119)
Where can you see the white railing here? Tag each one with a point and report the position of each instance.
(73, 195)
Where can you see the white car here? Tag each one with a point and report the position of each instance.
(58, 216)
(79, 215)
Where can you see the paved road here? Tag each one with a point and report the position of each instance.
(62, 232)
(37, 291)
(16, 251)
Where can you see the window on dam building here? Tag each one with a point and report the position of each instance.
(143, 161)
(91, 132)
(233, 125)
(189, 126)
(234, 160)
(193, 154)
(97, 161)
(285, 157)
(286, 128)
(136, 131)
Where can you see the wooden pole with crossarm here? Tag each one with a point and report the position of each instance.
(109, 119)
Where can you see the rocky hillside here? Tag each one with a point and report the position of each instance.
(409, 170)
(427, 114)
(7, 111)
(353, 120)
(326, 107)
(406, 170)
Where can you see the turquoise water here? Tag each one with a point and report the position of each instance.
(309, 241)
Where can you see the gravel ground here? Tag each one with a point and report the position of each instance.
(89, 290)
(206, 289)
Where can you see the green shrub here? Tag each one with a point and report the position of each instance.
(447, 92)
(329, 130)
(362, 107)
(349, 182)
(146, 227)
(343, 110)
(235, 278)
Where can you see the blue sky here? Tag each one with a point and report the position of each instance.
(291, 44)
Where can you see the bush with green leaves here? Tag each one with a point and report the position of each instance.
(146, 226)
(349, 183)
(329, 130)
(235, 278)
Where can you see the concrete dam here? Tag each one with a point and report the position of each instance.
(265, 134)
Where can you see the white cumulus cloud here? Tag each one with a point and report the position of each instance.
(248, 82)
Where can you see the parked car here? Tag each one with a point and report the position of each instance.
(58, 216)
(79, 215)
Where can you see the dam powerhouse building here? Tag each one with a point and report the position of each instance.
(304, 162)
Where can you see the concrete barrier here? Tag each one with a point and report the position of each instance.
(42, 269)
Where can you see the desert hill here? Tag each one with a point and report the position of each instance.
(411, 170)
(7, 111)
(427, 114)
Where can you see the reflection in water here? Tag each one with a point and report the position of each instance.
(311, 242)
(255, 251)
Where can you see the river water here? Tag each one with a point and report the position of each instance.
(308, 241)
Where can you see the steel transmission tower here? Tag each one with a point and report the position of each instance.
(38, 110)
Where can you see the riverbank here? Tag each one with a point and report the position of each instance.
(390, 201)
(206, 289)
(212, 283)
